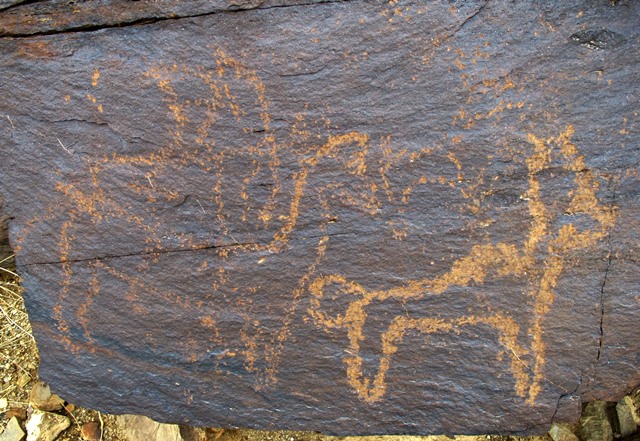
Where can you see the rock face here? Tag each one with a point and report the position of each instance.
(351, 217)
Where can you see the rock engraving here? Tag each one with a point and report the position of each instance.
(194, 145)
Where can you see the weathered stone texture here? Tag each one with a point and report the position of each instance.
(352, 217)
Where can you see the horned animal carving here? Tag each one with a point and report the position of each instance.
(252, 222)
(482, 262)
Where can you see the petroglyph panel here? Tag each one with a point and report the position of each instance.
(357, 218)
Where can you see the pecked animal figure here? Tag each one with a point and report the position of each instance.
(275, 213)
(303, 186)
(538, 258)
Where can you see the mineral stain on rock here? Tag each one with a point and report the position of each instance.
(343, 219)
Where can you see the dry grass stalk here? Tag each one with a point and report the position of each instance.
(18, 352)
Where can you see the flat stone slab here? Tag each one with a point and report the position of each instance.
(350, 217)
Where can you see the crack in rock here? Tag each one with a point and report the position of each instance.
(604, 281)
(63, 17)
(469, 18)
(168, 251)
(566, 394)
(142, 253)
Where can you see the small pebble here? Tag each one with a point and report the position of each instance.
(562, 432)
(42, 398)
(24, 380)
(45, 426)
(21, 414)
(13, 431)
(626, 423)
(90, 431)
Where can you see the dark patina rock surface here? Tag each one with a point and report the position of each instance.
(352, 217)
